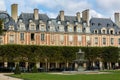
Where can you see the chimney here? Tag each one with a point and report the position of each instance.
(36, 14)
(62, 15)
(117, 19)
(85, 16)
(78, 16)
(14, 11)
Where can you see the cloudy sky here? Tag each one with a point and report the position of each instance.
(98, 8)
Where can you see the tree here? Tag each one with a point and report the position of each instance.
(17, 69)
(34, 69)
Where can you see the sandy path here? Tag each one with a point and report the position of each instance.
(3, 77)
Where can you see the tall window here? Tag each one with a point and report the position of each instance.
(61, 37)
(32, 26)
(42, 37)
(1, 41)
(79, 38)
(104, 41)
(21, 36)
(52, 37)
(61, 28)
(104, 32)
(119, 41)
(79, 29)
(70, 38)
(112, 41)
(70, 29)
(52, 28)
(96, 40)
(21, 26)
(32, 36)
(42, 28)
(11, 38)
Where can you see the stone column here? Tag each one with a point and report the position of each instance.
(57, 65)
(101, 65)
(16, 63)
(67, 64)
(117, 64)
(38, 64)
(5, 64)
(84, 65)
(26, 65)
(93, 64)
(76, 66)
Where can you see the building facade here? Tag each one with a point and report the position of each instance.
(39, 29)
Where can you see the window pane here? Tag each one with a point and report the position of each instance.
(119, 41)
(112, 40)
(11, 38)
(32, 36)
(79, 38)
(104, 41)
(96, 40)
(70, 38)
(21, 36)
(42, 37)
(61, 37)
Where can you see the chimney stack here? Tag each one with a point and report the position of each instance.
(85, 16)
(78, 16)
(117, 19)
(14, 11)
(62, 15)
(36, 14)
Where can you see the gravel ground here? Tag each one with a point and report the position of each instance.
(3, 77)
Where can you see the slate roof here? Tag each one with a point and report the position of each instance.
(30, 16)
(99, 23)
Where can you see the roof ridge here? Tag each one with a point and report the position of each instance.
(101, 18)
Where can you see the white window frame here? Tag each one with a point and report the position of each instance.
(70, 38)
(79, 38)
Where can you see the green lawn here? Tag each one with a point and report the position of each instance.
(114, 75)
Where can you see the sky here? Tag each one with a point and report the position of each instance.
(98, 8)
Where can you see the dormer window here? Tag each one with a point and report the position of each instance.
(11, 27)
(52, 28)
(20, 20)
(40, 21)
(76, 23)
(70, 28)
(21, 26)
(61, 28)
(103, 31)
(118, 32)
(32, 26)
(49, 22)
(79, 29)
(68, 23)
(30, 20)
(42, 27)
(111, 31)
(59, 22)
(96, 31)
(84, 24)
